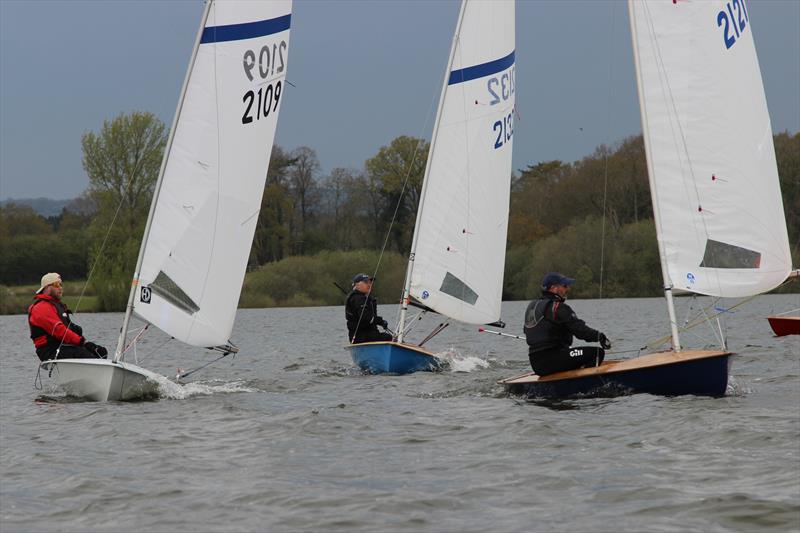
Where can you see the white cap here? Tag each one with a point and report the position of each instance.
(49, 279)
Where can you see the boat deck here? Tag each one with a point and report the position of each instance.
(619, 365)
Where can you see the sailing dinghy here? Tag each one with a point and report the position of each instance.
(713, 181)
(198, 235)
(457, 254)
(786, 323)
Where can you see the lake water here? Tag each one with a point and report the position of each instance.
(288, 436)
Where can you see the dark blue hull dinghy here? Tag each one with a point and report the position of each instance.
(392, 358)
(702, 373)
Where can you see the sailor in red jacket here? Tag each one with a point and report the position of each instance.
(54, 335)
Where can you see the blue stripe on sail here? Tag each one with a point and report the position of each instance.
(246, 30)
(479, 71)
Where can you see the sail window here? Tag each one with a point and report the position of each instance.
(169, 290)
(458, 289)
(723, 255)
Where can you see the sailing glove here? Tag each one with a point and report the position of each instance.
(96, 349)
(382, 323)
(604, 342)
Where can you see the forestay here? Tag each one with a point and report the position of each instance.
(460, 234)
(707, 132)
(203, 221)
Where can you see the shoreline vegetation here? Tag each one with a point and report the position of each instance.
(308, 281)
(591, 219)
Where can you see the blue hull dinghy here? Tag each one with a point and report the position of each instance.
(392, 358)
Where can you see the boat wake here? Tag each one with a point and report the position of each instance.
(736, 388)
(176, 391)
(457, 362)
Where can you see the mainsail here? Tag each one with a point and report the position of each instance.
(708, 137)
(194, 255)
(459, 244)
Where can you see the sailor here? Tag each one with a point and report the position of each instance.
(549, 327)
(53, 332)
(361, 311)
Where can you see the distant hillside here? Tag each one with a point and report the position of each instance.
(47, 207)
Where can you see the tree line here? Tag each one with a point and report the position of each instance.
(591, 218)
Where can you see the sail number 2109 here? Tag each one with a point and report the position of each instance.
(265, 100)
(266, 64)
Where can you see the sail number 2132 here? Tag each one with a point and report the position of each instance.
(504, 129)
(501, 88)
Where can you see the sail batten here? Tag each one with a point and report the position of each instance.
(713, 174)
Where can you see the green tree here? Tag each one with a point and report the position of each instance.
(302, 175)
(122, 162)
(395, 173)
(787, 152)
(272, 239)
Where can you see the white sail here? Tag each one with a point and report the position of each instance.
(708, 137)
(460, 235)
(195, 254)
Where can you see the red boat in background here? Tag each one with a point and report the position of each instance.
(785, 325)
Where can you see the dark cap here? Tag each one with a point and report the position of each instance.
(554, 278)
(362, 277)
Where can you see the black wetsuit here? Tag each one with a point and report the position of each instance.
(361, 311)
(549, 327)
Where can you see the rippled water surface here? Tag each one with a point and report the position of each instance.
(288, 436)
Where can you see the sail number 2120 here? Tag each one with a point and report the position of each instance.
(727, 20)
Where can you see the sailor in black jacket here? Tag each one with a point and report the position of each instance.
(361, 311)
(550, 325)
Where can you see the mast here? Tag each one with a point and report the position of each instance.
(676, 344)
(135, 282)
(410, 268)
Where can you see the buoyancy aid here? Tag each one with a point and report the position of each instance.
(541, 330)
(44, 327)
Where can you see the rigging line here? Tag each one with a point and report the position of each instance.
(413, 322)
(605, 155)
(397, 205)
(37, 380)
(182, 375)
(97, 256)
(696, 322)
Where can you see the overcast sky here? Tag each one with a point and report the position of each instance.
(365, 72)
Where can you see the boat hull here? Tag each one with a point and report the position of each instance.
(701, 373)
(392, 358)
(101, 380)
(785, 325)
